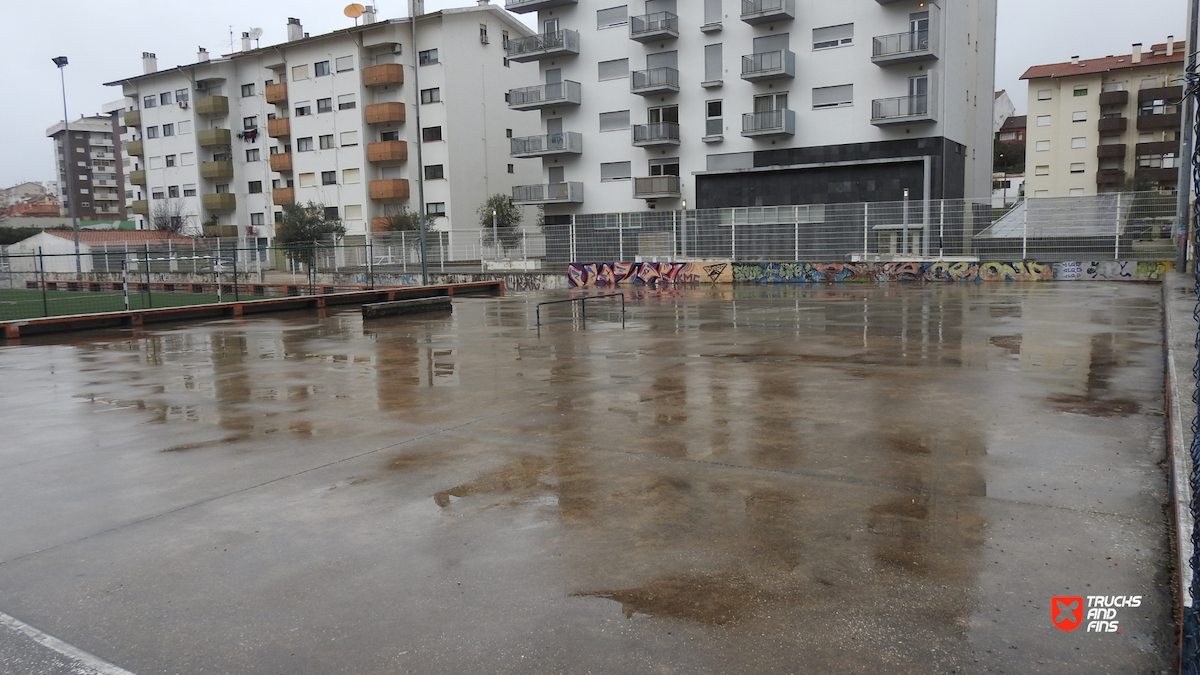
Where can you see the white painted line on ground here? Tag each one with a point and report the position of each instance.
(74, 653)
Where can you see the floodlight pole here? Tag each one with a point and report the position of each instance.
(61, 61)
(412, 5)
(495, 238)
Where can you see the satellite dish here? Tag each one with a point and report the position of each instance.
(354, 11)
(255, 33)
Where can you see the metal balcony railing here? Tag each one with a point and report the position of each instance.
(568, 142)
(654, 79)
(566, 92)
(901, 106)
(765, 62)
(553, 192)
(658, 132)
(656, 185)
(900, 43)
(658, 22)
(767, 120)
(559, 40)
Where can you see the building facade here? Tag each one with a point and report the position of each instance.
(1105, 125)
(331, 119)
(89, 165)
(729, 103)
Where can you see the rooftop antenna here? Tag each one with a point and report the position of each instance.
(231, 39)
(354, 11)
(255, 33)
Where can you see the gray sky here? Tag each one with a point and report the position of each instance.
(105, 40)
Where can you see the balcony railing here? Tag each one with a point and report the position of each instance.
(660, 133)
(220, 201)
(277, 93)
(765, 11)
(281, 161)
(902, 47)
(1111, 150)
(655, 187)
(280, 126)
(654, 81)
(545, 45)
(389, 189)
(387, 152)
(1112, 124)
(1165, 121)
(211, 137)
(768, 65)
(526, 6)
(133, 118)
(769, 123)
(900, 109)
(212, 105)
(134, 148)
(568, 143)
(384, 113)
(656, 26)
(280, 196)
(1114, 97)
(546, 95)
(548, 194)
(220, 169)
(141, 207)
(384, 73)
(138, 177)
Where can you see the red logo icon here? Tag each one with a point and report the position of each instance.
(1066, 612)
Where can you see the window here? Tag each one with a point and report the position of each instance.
(181, 95)
(504, 39)
(349, 138)
(713, 66)
(326, 142)
(434, 172)
(508, 133)
(427, 57)
(324, 105)
(304, 144)
(1077, 167)
(483, 35)
(308, 180)
(320, 68)
(344, 63)
(616, 171)
(170, 160)
(431, 95)
(1008, 136)
(350, 176)
(1079, 142)
(346, 102)
(435, 209)
(714, 124)
(354, 212)
(1079, 116)
(299, 73)
(155, 163)
(157, 193)
(431, 134)
(613, 121)
(250, 122)
(1044, 94)
(1043, 120)
(664, 166)
(331, 213)
(1158, 106)
(247, 90)
(173, 191)
(1042, 146)
(1149, 83)
(1042, 170)
(511, 169)
(1113, 86)
(303, 108)
(833, 36)
(257, 220)
(189, 190)
(168, 130)
(254, 187)
(614, 70)
(1167, 161)
(187, 158)
(1081, 91)
(613, 16)
(831, 97)
(165, 98)
(252, 155)
(389, 136)
(328, 178)
(184, 127)
(151, 132)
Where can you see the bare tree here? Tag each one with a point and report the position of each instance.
(170, 215)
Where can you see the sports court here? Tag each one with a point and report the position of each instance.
(769, 479)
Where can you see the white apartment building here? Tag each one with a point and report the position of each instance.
(730, 103)
(1085, 114)
(89, 168)
(332, 119)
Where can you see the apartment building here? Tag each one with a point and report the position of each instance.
(1105, 125)
(332, 119)
(729, 103)
(89, 166)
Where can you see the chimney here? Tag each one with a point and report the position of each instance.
(483, 3)
(418, 7)
(246, 46)
(294, 30)
(149, 63)
(1137, 53)
(201, 55)
(1170, 45)
(1074, 60)
(369, 15)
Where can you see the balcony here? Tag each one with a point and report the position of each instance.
(543, 96)
(654, 27)
(910, 47)
(280, 196)
(568, 143)
(218, 169)
(208, 138)
(901, 110)
(133, 118)
(387, 152)
(138, 177)
(281, 161)
(102, 155)
(544, 46)
(554, 193)
(654, 81)
(654, 135)
(1110, 177)
(769, 66)
(1152, 122)
(1114, 97)
(766, 11)
(1160, 148)
(1110, 151)
(1164, 93)
(140, 207)
(279, 127)
(527, 6)
(391, 189)
(382, 74)
(769, 123)
(656, 187)
(1112, 124)
(212, 105)
(134, 148)
(1157, 175)
(385, 113)
(220, 201)
(277, 93)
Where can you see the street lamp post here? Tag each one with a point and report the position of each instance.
(495, 238)
(61, 62)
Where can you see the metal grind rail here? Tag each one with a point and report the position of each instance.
(582, 300)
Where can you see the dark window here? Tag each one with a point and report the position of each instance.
(434, 172)
(427, 57)
(431, 134)
(328, 178)
(321, 68)
(324, 105)
(331, 213)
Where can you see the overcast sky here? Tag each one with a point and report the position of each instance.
(104, 40)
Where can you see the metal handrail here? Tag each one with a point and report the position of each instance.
(582, 300)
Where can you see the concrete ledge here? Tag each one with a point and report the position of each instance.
(377, 310)
(1179, 300)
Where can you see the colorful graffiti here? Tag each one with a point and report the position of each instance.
(613, 274)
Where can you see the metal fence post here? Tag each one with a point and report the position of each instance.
(1117, 231)
(733, 237)
(620, 237)
(941, 228)
(796, 225)
(571, 239)
(125, 282)
(42, 269)
(1024, 231)
(866, 227)
(149, 293)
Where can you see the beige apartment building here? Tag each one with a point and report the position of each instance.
(1105, 125)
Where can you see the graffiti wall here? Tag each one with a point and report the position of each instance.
(582, 275)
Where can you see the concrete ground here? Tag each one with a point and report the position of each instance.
(776, 479)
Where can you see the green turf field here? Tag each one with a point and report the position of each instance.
(25, 304)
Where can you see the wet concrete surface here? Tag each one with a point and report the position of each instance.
(780, 479)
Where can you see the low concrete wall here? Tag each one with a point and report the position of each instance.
(513, 281)
(378, 310)
(1179, 300)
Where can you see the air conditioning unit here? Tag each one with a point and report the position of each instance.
(201, 86)
(183, 104)
(483, 39)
